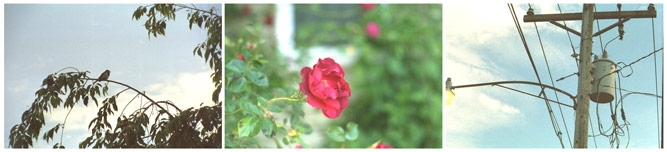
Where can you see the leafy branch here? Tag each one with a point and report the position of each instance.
(210, 49)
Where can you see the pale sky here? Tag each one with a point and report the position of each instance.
(483, 45)
(42, 39)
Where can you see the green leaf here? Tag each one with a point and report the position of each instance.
(258, 78)
(282, 92)
(336, 133)
(238, 85)
(229, 42)
(268, 127)
(251, 108)
(230, 107)
(275, 108)
(235, 65)
(247, 127)
(261, 100)
(352, 132)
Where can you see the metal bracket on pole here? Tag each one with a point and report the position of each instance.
(566, 28)
(611, 26)
(596, 33)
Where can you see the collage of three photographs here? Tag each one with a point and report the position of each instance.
(315, 76)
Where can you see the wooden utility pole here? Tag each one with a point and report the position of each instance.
(585, 79)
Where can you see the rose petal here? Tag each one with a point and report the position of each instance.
(316, 74)
(305, 74)
(343, 103)
(332, 104)
(329, 90)
(329, 93)
(340, 71)
(344, 90)
(331, 113)
(315, 102)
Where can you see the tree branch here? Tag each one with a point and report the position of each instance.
(142, 94)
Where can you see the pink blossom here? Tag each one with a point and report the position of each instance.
(240, 57)
(372, 29)
(367, 7)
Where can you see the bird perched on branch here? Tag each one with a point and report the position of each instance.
(103, 76)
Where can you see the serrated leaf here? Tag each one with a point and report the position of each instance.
(352, 131)
(251, 108)
(237, 85)
(275, 108)
(268, 127)
(336, 133)
(258, 78)
(235, 65)
(261, 100)
(247, 127)
(230, 107)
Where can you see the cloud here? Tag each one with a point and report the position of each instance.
(478, 46)
(185, 90)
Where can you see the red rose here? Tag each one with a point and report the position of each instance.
(250, 46)
(246, 10)
(240, 57)
(372, 30)
(382, 145)
(268, 20)
(367, 7)
(325, 87)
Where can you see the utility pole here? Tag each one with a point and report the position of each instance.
(582, 107)
(584, 84)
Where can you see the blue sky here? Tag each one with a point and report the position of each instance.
(42, 39)
(483, 45)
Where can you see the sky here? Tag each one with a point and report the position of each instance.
(42, 39)
(482, 45)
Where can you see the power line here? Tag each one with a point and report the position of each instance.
(523, 39)
(655, 73)
(598, 24)
(574, 53)
(556, 127)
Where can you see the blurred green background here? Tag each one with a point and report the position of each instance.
(396, 78)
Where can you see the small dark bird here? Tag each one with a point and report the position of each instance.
(103, 76)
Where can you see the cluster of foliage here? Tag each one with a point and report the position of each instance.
(257, 86)
(192, 127)
(397, 77)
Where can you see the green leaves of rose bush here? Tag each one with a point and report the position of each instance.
(242, 75)
(337, 133)
(257, 88)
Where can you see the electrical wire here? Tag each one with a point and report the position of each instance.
(630, 65)
(523, 39)
(598, 24)
(555, 93)
(568, 37)
(590, 121)
(616, 129)
(655, 73)
(605, 46)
